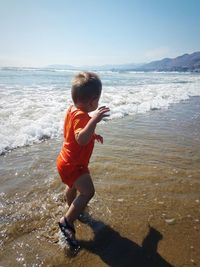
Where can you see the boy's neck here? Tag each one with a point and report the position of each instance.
(82, 107)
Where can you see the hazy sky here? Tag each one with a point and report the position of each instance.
(96, 32)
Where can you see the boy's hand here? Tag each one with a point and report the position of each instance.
(99, 138)
(100, 114)
(85, 135)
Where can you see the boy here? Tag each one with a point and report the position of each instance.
(79, 135)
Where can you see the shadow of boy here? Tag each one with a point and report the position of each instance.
(118, 251)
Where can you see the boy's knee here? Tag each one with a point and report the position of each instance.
(85, 186)
(90, 193)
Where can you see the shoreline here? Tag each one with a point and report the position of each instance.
(147, 195)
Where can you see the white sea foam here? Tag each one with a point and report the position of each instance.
(33, 103)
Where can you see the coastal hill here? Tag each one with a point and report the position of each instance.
(186, 62)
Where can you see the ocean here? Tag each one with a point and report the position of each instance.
(33, 101)
(145, 211)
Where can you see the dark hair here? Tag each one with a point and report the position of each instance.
(85, 86)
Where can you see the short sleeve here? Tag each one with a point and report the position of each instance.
(79, 122)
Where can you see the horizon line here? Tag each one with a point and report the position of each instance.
(94, 66)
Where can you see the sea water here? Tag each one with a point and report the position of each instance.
(146, 174)
(33, 101)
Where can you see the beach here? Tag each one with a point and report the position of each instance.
(139, 61)
(146, 208)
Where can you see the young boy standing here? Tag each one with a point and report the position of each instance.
(79, 136)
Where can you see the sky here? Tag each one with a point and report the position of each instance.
(38, 33)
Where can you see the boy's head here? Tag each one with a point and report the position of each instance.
(86, 87)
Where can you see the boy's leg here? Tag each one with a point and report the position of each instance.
(70, 195)
(85, 187)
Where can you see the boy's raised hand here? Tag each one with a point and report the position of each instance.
(101, 113)
(84, 136)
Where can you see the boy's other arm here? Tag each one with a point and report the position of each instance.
(98, 138)
(85, 135)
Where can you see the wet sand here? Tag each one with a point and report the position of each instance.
(146, 208)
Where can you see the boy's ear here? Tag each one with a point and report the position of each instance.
(92, 100)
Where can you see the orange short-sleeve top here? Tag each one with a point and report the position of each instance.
(72, 152)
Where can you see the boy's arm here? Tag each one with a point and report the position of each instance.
(85, 135)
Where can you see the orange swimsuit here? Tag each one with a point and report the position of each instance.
(73, 159)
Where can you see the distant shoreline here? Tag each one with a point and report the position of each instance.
(96, 69)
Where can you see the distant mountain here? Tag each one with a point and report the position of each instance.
(186, 62)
